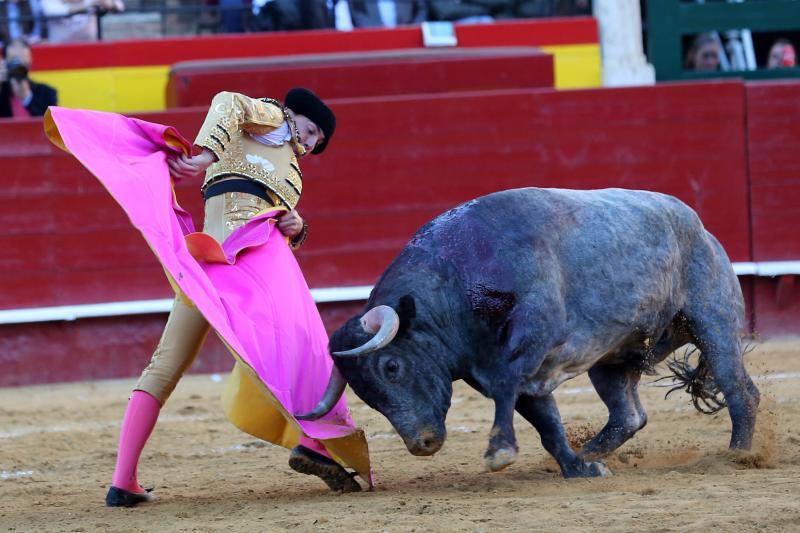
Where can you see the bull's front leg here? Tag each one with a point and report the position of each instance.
(502, 449)
(542, 413)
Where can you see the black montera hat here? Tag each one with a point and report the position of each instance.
(306, 103)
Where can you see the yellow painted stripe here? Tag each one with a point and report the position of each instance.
(577, 65)
(130, 89)
(120, 89)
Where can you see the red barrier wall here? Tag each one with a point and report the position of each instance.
(668, 138)
(107, 348)
(354, 75)
(530, 32)
(773, 117)
(64, 239)
(395, 163)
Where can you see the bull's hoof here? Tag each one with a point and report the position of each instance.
(122, 498)
(588, 469)
(308, 461)
(598, 469)
(499, 459)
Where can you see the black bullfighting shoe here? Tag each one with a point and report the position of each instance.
(308, 461)
(123, 498)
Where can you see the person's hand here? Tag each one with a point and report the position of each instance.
(20, 88)
(290, 224)
(112, 5)
(188, 166)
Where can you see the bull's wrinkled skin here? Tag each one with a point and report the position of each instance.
(521, 290)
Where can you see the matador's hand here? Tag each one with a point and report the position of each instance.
(188, 166)
(290, 224)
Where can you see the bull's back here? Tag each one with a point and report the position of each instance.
(618, 254)
(609, 218)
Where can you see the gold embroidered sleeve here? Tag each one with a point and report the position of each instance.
(231, 113)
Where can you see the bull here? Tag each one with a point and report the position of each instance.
(521, 290)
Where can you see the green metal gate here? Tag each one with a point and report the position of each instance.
(669, 20)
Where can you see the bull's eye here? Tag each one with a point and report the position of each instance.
(391, 369)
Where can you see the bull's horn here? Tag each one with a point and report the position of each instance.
(333, 392)
(383, 322)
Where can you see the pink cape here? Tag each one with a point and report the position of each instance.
(253, 293)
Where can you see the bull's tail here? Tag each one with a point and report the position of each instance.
(697, 381)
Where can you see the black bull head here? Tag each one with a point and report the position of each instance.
(423, 432)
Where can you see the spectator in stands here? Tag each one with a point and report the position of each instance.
(20, 97)
(24, 19)
(387, 13)
(550, 8)
(782, 55)
(232, 14)
(70, 21)
(471, 10)
(286, 15)
(573, 7)
(534, 8)
(12, 19)
(703, 55)
(342, 20)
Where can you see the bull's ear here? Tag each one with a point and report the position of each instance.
(407, 311)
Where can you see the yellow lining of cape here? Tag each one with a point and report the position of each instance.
(51, 130)
(250, 406)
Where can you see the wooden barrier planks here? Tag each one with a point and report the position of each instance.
(131, 76)
(149, 52)
(773, 120)
(109, 347)
(448, 149)
(355, 75)
(395, 163)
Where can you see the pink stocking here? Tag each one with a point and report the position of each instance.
(140, 418)
(315, 445)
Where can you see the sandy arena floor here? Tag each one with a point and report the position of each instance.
(58, 446)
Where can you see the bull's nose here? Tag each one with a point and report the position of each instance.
(426, 443)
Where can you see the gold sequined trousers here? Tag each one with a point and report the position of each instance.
(186, 328)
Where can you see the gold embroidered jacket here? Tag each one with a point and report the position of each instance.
(225, 131)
